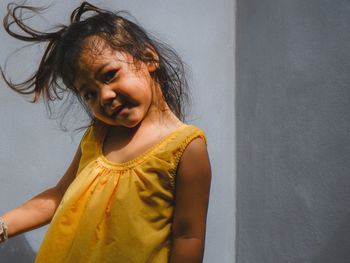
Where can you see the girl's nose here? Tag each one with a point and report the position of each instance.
(107, 95)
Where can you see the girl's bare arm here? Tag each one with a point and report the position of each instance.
(40, 210)
(191, 202)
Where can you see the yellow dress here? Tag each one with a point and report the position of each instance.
(118, 212)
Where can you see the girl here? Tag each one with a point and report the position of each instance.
(137, 189)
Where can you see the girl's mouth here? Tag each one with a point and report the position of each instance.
(119, 110)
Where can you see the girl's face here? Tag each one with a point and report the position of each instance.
(118, 91)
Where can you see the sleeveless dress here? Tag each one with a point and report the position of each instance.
(115, 212)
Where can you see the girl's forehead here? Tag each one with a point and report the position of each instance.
(94, 45)
(95, 50)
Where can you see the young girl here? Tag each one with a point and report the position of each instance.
(137, 189)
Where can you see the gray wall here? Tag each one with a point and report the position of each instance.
(293, 123)
(34, 153)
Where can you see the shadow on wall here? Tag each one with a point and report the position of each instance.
(16, 250)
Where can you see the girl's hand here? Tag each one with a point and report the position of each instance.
(191, 202)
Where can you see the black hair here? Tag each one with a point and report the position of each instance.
(58, 66)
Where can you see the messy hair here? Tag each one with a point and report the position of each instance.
(58, 66)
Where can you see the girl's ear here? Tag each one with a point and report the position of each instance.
(152, 54)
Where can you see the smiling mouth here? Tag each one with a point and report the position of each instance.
(118, 109)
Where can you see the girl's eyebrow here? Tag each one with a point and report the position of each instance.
(98, 71)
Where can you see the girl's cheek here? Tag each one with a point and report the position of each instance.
(93, 108)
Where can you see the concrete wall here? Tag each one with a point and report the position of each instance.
(34, 153)
(293, 123)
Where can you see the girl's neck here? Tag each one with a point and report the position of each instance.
(156, 119)
(123, 144)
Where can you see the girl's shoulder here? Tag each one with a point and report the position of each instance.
(188, 133)
(176, 143)
(90, 142)
(94, 133)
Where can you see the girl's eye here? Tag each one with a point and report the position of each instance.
(109, 75)
(88, 95)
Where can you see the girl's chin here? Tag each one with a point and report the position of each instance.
(127, 119)
(124, 123)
